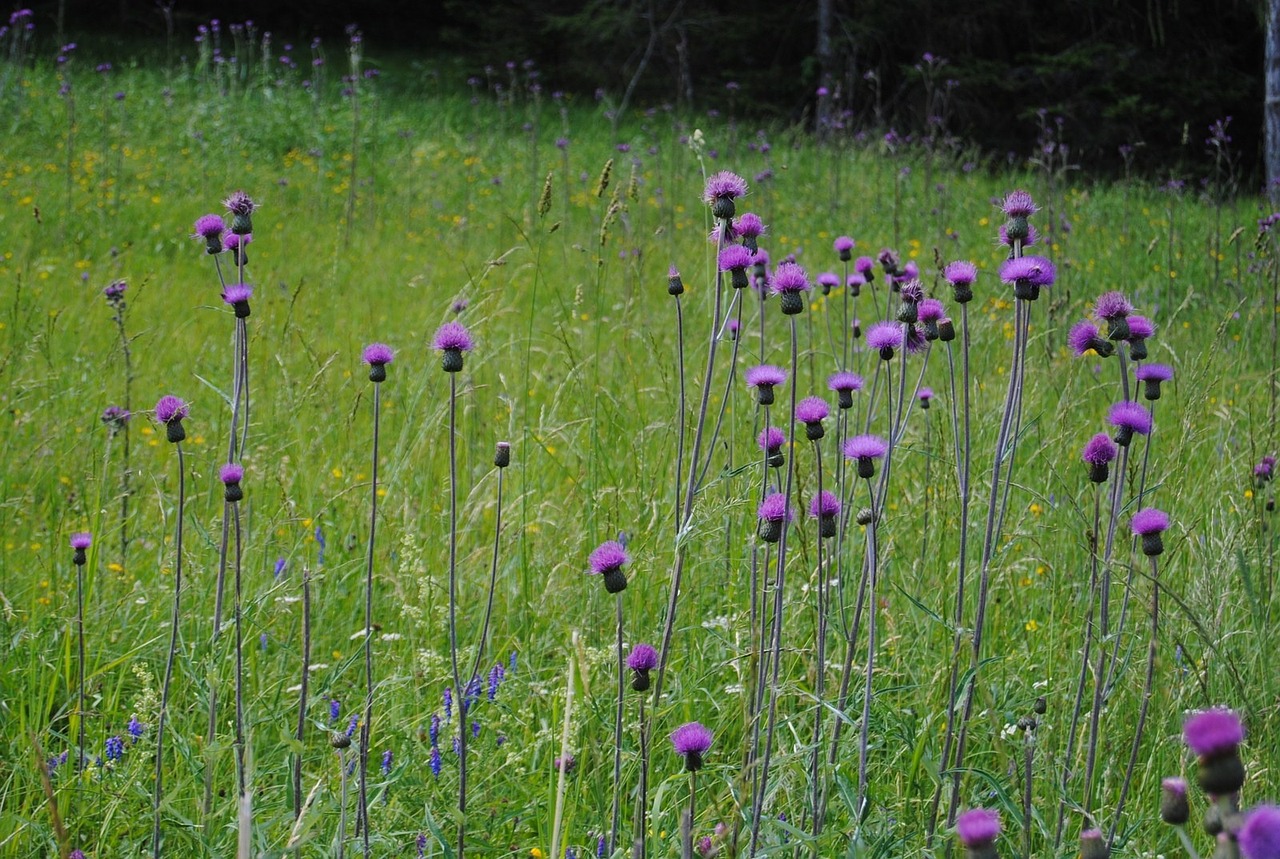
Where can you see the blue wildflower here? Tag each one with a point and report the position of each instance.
(386, 762)
(434, 763)
(335, 708)
(136, 729)
(434, 730)
(115, 748)
(448, 704)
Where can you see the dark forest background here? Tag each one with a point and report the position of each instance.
(1147, 73)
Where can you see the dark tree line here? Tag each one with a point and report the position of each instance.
(1151, 73)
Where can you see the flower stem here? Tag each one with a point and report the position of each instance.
(363, 813)
(168, 668)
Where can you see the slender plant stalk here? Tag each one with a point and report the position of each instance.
(820, 679)
(342, 804)
(241, 774)
(564, 751)
(158, 794)
(778, 602)
(453, 613)
(617, 738)
(686, 829)
(81, 707)
(865, 727)
(1147, 688)
(363, 816)
(300, 736)
(1028, 759)
(639, 848)
(1090, 633)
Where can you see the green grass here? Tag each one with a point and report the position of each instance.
(575, 366)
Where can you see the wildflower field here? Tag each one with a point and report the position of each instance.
(406, 460)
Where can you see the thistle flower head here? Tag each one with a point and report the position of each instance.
(914, 339)
(209, 227)
(1259, 837)
(1032, 270)
(978, 827)
(170, 408)
(1112, 305)
(824, 504)
(913, 291)
(1085, 337)
(864, 266)
(885, 335)
(724, 186)
(960, 272)
(774, 508)
(1212, 732)
(1154, 373)
(734, 258)
(1099, 450)
(643, 657)
(1140, 328)
(771, 439)
(1266, 468)
(924, 395)
(828, 281)
(1018, 204)
(1149, 520)
(749, 226)
(931, 310)
(691, 740)
(81, 540)
(865, 447)
(240, 203)
(844, 381)
(231, 473)
(1128, 415)
(843, 244)
(115, 290)
(789, 278)
(1033, 236)
(377, 353)
(608, 556)
(812, 410)
(453, 337)
(236, 293)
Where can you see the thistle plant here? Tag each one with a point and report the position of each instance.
(377, 356)
(117, 417)
(80, 543)
(453, 341)
(691, 741)
(607, 561)
(170, 411)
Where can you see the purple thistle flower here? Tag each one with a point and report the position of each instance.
(114, 291)
(171, 411)
(1213, 732)
(930, 311)
(960, 272)
(843, 245)
(1097, 454)
(912, 291)
(568, 763)
(115, 417)
(1128, 418)
(750, 227)
(240, 203)
(1265, 469)
(914, 339)
(1085, 337)
(721, 190)
(771, 440)
(828, 281)
(825, 507)
(231, 473)
(607, 560)
(1028, 275)
(924, 395)
(978, 827)
(76, 854)
(1149, 520)
(1112, 305)
(209, 227)
(1151, 376)
(1140, 327)
(844, 384)
(866, 449)
(377, 356)
(790, 282)
(691, 741)
(735, 259)
(1018, 204)
(885, 337)
(812, 410)
(643, 657)
(864, 266)
(452, 339)
(772, 513)
(1259, 837)
(765, 374)
(81, 540)
(237, 295)
(237, 244)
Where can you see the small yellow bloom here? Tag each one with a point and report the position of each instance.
(337, 472)
(536, 853)
(1031, 626)
(1248, 493)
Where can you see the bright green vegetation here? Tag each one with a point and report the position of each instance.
(576, 367)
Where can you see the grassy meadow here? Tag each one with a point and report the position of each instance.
(416, 199)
